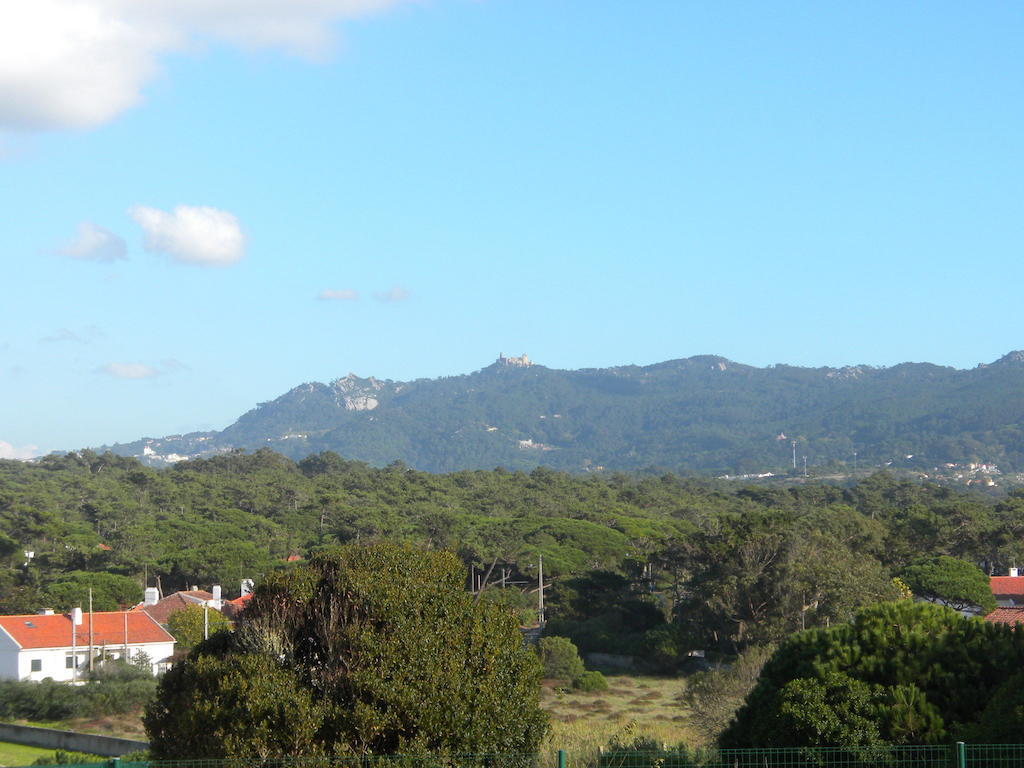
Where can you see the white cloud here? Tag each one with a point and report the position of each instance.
(394, 293)
(19, 453)
(141, 370)
(94, 243)
(346, 294)
(199, 235)
(129, 370)
(79, 63)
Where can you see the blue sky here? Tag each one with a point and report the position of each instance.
(591, 183)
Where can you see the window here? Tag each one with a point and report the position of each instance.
(37, 665)
(69, 662)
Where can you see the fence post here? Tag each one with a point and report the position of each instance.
(561, 758)
(961, 755)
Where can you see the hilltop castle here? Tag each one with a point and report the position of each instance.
(518, 362)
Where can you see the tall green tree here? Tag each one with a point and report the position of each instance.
(899, 673)
(950, 581)
(377, 649)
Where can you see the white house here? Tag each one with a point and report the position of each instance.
(38, 646)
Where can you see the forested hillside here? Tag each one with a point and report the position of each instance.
(702, 414)
(658, 560)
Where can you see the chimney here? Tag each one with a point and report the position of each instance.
(246, 586)
(76, 616)
(216, 592)
(152, 596)
(1014, 572)
(193, 588)
(45, 612)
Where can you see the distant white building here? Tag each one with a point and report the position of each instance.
(58, 646)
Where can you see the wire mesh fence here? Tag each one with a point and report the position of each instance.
(957, 755)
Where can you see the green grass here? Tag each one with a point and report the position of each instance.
(633, 706)
(18, 754)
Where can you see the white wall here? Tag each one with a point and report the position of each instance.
(15, 665)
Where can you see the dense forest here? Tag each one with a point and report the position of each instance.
(657, 562)
(702, 414)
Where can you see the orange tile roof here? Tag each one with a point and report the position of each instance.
(234, 607)
(34, 631)
(162, 609)
(1007, 585)
(1006, 616)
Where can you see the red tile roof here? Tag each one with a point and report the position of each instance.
(234, 607)
(34, 631)
(1007, 585)
(162, 609)
(1006, 616)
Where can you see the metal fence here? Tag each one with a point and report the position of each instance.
(957, 755)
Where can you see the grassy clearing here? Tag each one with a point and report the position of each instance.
(127, 725)
(18, 754)
(633, 707)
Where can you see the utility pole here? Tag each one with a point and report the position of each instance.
(540, 590)
(855, 462)
(794, 454)
(90, 629)
(805, 466)
(206, 621)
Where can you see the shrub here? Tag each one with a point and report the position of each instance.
(590, 681)
(364, 649)
(559, 658)
(65, 757)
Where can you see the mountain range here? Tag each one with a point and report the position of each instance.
(703, 414)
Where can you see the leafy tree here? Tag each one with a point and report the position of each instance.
(191, 623)
(917, 671)
(233, 705)
(713, 696)
(372, 649)
(1002, 721)
(110, 592)
(559, 658)
(950, 581)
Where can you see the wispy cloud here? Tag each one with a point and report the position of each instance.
(129, 370)
(395, 293)
(17, 452)
(120, 370)
(345, 294)
(94, 243)
(207, 237)
(79, 63)
(64, 334)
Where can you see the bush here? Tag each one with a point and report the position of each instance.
(714, 696)
(49, 700)
(590, 681)
(899, 673)
(364, 649)
(559, 658)
(188, 624)
(64, 757)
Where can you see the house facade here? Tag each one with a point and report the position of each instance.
(59, 646)
(1008, 590)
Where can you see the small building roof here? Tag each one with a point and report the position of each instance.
(1006, 616)
(108, 628)
(162, 609)
(1007, 585)
(234, 607)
